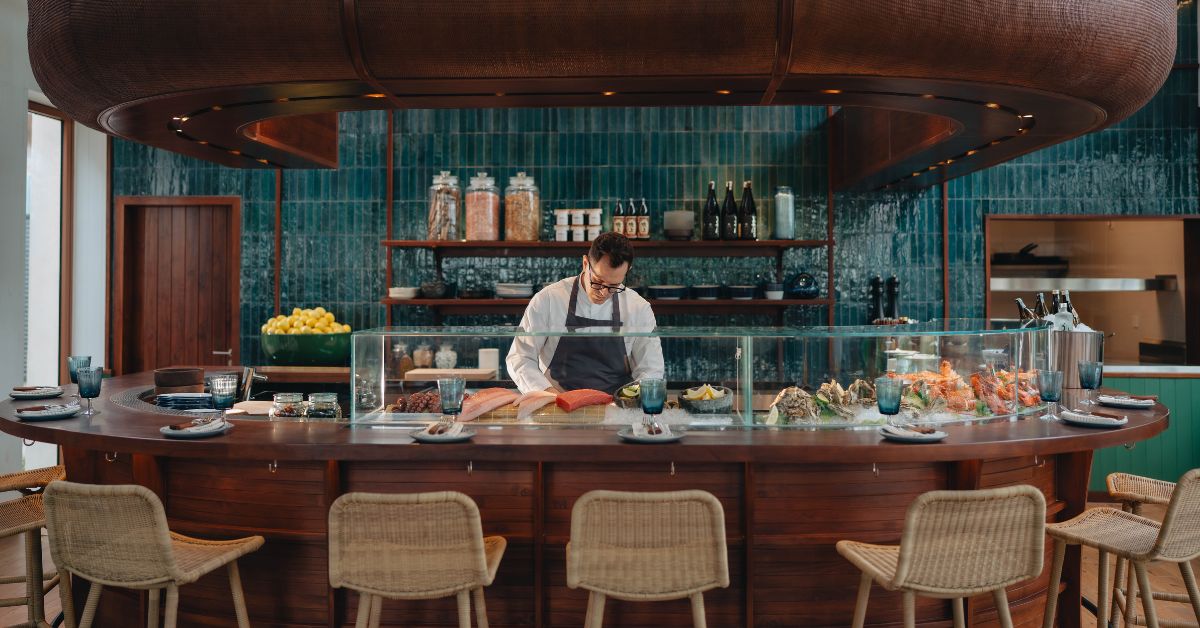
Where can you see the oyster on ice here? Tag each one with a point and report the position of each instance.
(793, 405)
(861, 392)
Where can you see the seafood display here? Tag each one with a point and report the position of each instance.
(575, 399)
(485, 401)
(830, 402)
(531, 402)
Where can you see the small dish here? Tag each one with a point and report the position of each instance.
(627, 434)
(207, 430)
(49, 413)
(422, 436)
(706, 292)
(1121, 401)
(774, 295)
(742, 293)
(1084, 419)
(40, 392)
(902, 435)
(403, 292)
(668, 293)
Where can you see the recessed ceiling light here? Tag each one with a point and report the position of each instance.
(724, 92)
(831, 91)
(235, 152)
(992, 105)
(607, 93)
(927, 96)
(375, 95)
(1026, 115)
(971, 152)
(216, 107)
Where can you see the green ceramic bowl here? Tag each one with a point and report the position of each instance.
(307, 349)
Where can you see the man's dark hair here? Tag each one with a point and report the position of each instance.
(615, 246)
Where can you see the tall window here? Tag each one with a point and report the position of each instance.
(43, 247)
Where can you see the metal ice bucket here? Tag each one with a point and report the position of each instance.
(1068, 348)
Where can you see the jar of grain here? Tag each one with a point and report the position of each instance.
(483, 208)
(444, 199)
(522, 209)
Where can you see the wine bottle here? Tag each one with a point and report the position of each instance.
(711, 229)
(644, 221)
(1070, 306)
(891, 303)
(748, 215)
(1055, 299)
(876, 293)
(1023, 312)
(1039, 306)
(618, 219)
(729, 214)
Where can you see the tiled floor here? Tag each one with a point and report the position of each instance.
(1164, 577)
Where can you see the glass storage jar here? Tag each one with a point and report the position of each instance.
(287, 406)
(522, 209)
(323, 407)
(446, 357)
(423, 357)
(444, 199)
(483, 208)
(785, 213)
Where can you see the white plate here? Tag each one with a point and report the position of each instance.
(626, 434)
(47, 392)
(1083, 419)
(421, 436)
(215, 428)
(913, 438)
(1113, 401)
(53, 413)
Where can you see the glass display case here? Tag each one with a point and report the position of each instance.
(796, 378)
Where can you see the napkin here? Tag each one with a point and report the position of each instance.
(639, 430)
(1095, 419)
(211, 426)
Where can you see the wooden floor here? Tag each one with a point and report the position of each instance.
(1163, 576)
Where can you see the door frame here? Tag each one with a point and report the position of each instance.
(234, 254)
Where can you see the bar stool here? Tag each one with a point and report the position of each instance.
(1140, 541)
(25, 516)
(956, 544)
(1133, 491)
(647, 547)
(118, 536)
(418, 546)
(31, 481)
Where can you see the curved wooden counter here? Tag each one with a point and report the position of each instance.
(788, 496)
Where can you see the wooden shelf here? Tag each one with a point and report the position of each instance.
(646, 248)
(516, 306)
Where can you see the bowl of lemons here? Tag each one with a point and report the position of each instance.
(706, 399)
(306, 337)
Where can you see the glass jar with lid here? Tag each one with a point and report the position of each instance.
(287, 406)
(785, 213)
(522, 209)
(323, 406)
(444, 199)
(423, 357)
(483, 208)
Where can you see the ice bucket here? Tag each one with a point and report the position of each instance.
(1068, 348)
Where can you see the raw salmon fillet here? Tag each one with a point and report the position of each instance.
(482, 403)
(576, 399)
(531, 402)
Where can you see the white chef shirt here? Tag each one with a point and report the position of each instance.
(529, 357)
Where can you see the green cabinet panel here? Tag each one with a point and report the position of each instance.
(1171, 453)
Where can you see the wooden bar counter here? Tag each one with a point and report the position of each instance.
(789, 495)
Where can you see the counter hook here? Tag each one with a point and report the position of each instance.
(110, 457)
(1130, 445)
(470, 467)
(27, 442)
(273, 466)
(672, 468)
(875, 468)
(1038, 461)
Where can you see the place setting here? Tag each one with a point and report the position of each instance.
(888, 392)
(211, 421)
(448, 429)
(653, 394)
(1050, 386)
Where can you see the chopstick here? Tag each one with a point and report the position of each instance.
(31, 388)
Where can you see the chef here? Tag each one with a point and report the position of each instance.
(595, 300)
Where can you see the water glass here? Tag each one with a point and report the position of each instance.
(76, 362)
(653, 392)
(1050, 385)
(1091, 375)
(89, 385)
(451, 391)
(887, 394)
(224, 391)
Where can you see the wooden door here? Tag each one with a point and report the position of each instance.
(176, 288)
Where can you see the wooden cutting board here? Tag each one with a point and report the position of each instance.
(471, 375)
(254, 408)
(549, 413)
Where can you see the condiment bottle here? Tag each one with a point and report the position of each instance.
(643, 221)
(483, 208)
(785, 213)
(444, 198)
(522, 209)
(618, 219)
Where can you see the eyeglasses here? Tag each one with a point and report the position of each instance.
(599, 285)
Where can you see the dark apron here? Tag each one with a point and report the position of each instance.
(590, 362)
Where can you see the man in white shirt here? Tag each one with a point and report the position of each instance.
(593, 301)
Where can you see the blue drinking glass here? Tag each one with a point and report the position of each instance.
(224, 391)
(1050, 385)
(653, 392)
(1091, 375)
(76, 362)
(451, 390)
(89, 385)
(887, 394)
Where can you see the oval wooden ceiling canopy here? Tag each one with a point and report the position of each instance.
(927, 89)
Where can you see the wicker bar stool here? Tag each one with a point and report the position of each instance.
(1140, 541)
(1133, 491)
(956, 544)
(647, 547)
(118, 536)
(24, 516)
(418, 546)
(31, 481)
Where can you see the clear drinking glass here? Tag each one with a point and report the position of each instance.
(89, 385)
(451, 391)
(76, 362)
(1091, 375)
(887, 395)
(653, 392)
(224, 390)
(1050, 384)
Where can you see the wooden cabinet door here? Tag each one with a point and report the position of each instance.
(176, 282)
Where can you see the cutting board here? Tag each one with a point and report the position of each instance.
(549, 413)
(254, 408)
(471, 375)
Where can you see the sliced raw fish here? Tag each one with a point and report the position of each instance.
(533, 394)
(534, 403)
(573, 400)
(476, 406)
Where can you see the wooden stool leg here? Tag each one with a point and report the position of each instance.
(1189, 580)
(960, 620)
(1001, 597)
(1102, 591)
(89, 607)
(698, 618)
(364, 610)
(152, 614)
(172, 606)
(34, 593)
(464, 609)
(1114, 609)
(239, 598)
(860, 607)
(910, 609)
(480, 609)
(1131, 594)
(595, 610)
(1060, 552)
(65, 599)
(1147, 594)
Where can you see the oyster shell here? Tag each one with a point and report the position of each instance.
(795, 406)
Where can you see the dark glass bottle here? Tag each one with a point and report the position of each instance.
(748, 215)
(1039, 306)
(1024, 314)
(729, 214)
(711, 228)
(631, 220)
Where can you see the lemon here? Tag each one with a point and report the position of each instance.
(329, 317)
(296, 311)
(293, 331)
(264, 328)
(319, 311)
(345, 329)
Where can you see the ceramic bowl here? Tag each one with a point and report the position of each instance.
(706, 292)
(774, 295)
(403, 292)
(708, 406)
(742, 293)
(668, 292)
